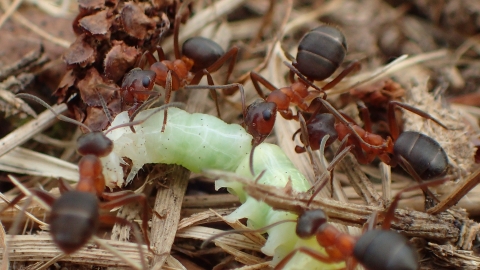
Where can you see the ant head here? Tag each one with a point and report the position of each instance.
(138, 79)
(310, 222)
(137, 83)
(94, 143)
(259, 120)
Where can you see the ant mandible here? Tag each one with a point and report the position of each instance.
(199, 57)
(75, 215)
(375, 249)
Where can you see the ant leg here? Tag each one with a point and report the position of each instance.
(161, 54)
(43, 195)
(472, 181)
(226, 86)
(291, 76)
(350, 125)
(147, 57)
(288, 115)
(328, 174)
(256, 79)
(335, 112)
(365, 116)
(232, 53)
(139, 109)
(176, 27)
(63, 186)
(125, 197)
(310, 252)
(168, 93)
(390, 215)
(295, 71)
(429, 196)
(213, 92)
(351, 263)
(392, 123)
(354, 66)
(112, 220)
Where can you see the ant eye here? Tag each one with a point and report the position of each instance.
(146, 81)
(267, 114)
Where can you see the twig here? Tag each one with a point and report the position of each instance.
(168, 203)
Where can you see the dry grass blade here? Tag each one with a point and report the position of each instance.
(27, 131)
(240, 256)
(16, 103)
(24, 161)
(234, 240)
(34, 248)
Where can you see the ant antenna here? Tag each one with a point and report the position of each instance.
(59, 116)
(250, 161)
(138, 122)
(260, 176)
(104, 106)
(176, 46)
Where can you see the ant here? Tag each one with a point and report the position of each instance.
(418, 154)
(199, 57)
(375, 249)
(75, 215)
(320, 53)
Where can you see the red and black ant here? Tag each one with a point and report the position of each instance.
(375, 249)
(320, 53)
(199, 57)
(75, 215)
(419, 154)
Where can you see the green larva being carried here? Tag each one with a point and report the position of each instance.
(199, 142)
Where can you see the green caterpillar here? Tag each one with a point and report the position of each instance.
(198, 142)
